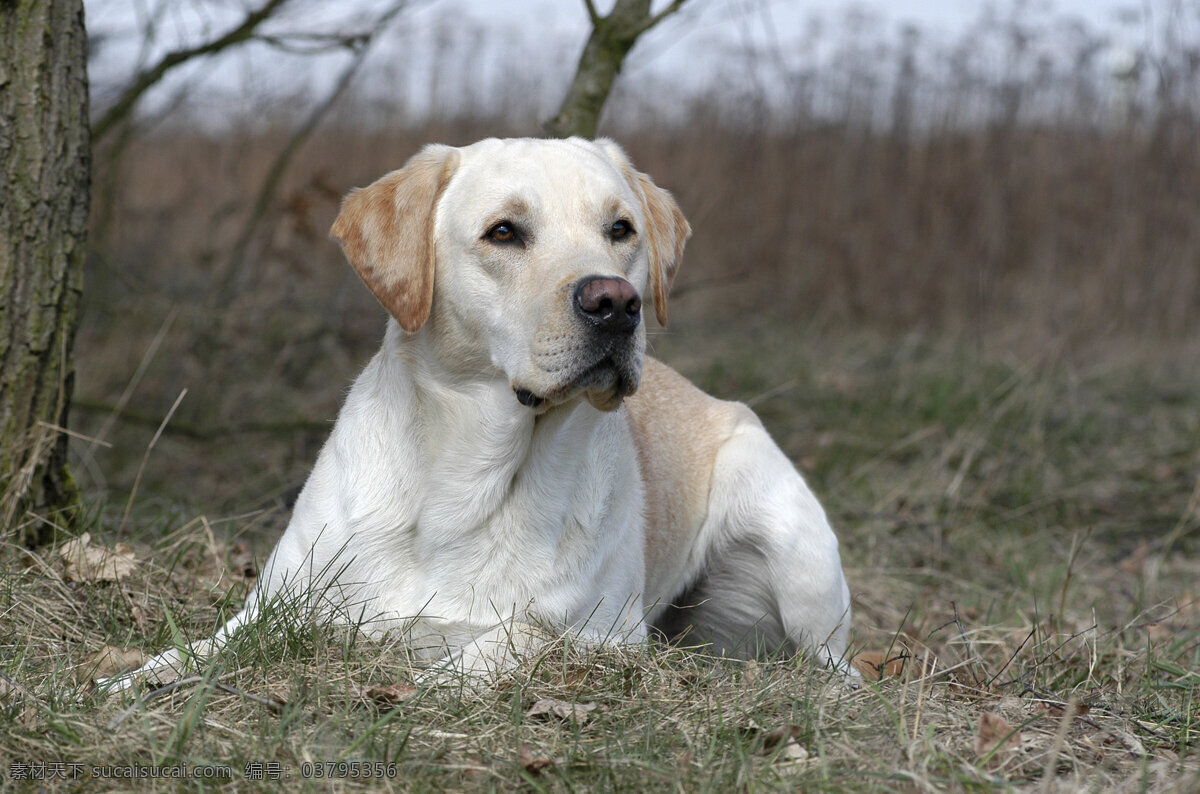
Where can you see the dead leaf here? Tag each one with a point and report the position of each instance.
(875, 665)
(390, 695)
(783, 739)
(776, 736)
(111, 660)
(1056, 710)
(83, 562)
(795, 752)
(562, 709)
(280, 694)
(533, 762)
(996, 736)
(1113, 742)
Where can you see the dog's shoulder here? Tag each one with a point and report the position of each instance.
(678, 430)
(669, 407)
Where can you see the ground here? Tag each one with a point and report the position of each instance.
(1019, 531)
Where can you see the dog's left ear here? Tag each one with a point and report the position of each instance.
(666, 229)
(386, 231)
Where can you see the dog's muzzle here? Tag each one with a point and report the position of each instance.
(604, 360)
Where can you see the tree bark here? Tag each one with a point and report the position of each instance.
(611, 39)
(44, 184)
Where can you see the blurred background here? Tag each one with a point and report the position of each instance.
(998, 182)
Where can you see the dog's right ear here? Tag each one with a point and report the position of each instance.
(386, 231)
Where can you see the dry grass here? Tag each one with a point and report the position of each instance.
(978, 342)
(1020, 541)
(1031, 243)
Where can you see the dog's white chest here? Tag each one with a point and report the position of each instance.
(463, 509)
(538, 530)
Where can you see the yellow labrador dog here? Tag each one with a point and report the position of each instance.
(511, 457)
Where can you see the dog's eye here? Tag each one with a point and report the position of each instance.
(502, 232)
(620, 229)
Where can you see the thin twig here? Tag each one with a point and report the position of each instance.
(138, 373)
(963, 634)
(772, 392)
(1024, 642)
(361, 44)
(1060, 646)
(147, 78)
(593, 14)
(73, 434)
(274, 705)
(1076, 545)
(151, 695)
(141, 468)
(666, 12)
(165, 689)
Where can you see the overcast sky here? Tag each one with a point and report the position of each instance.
(535, 42)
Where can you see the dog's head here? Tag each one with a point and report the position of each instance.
(527, 256)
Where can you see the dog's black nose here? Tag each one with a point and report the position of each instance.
(609, 303)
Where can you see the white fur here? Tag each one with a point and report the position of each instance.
(440, 496)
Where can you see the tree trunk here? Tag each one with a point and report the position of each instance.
(44, 173)
(611, 39)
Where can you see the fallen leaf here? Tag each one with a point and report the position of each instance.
(390, 695)
(789, 754)
(1056, 710)
(1108, 741)
(111, 660)
(83, 562)
(795, 752)
(533, 763)
(776, 736)
(562, 709)
(996, 736)
(875, 665)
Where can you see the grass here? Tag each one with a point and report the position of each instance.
(1009, 450)
(1020, 535)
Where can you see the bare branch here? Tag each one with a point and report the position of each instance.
(314, 43)
(666, 12)
(611, 40)
(147, 78)
(266, 193)
(593, 14)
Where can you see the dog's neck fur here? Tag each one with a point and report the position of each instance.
(531, 507)
(473, 429)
